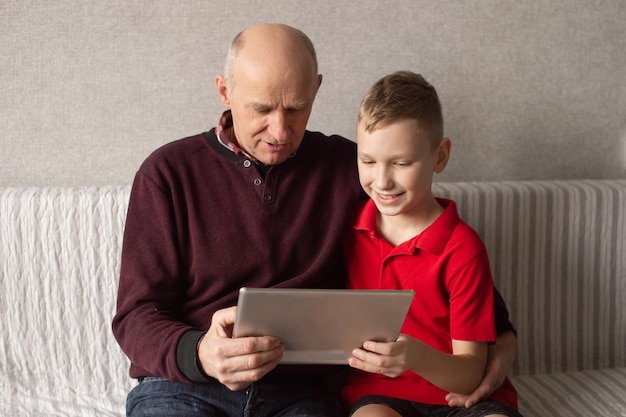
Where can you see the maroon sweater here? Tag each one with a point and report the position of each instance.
(203, 222)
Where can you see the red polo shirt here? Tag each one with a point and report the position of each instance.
(448, 267)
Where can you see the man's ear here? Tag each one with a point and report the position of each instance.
(319, 82)
(222, 90)
(443, 155)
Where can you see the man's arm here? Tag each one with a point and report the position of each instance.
(146, 323)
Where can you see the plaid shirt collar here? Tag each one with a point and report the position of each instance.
(225, 135)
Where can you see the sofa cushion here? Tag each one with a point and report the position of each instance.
(583, 393)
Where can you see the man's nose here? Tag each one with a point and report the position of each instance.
(278, 126)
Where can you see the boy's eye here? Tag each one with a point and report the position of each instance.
(403, 164)
(367, 162)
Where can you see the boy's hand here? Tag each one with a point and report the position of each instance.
(388, 358)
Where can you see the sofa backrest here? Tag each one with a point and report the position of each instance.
(558, 256)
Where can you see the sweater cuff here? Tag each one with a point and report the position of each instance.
(187, 356)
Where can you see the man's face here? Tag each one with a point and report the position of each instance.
(270, 106)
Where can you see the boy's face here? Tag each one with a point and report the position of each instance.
(396, 167)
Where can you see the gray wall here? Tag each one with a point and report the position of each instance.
(531, 89)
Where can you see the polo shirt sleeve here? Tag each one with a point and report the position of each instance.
(472, 300)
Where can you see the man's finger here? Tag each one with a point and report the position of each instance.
(223, 321)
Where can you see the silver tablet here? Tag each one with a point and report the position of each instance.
(321, 326)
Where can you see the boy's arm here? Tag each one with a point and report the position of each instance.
(501, 356)
(499, 362)
(461, 371)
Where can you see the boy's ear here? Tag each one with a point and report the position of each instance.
(443, 155)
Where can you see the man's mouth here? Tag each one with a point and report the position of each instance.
(274, 142)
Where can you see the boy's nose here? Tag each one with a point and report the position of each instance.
(383, 179)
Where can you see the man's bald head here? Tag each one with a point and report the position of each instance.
(270, 41)
(269, 86)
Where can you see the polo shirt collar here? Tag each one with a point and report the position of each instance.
(432, 240)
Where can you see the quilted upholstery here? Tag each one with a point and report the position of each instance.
(557, 253)
(59, 251)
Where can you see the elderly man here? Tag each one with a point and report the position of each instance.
(258, 201)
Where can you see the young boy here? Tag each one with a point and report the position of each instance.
(405, 238)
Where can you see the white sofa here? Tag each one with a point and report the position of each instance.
(557, 248)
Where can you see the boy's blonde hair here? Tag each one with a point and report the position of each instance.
(399, 96)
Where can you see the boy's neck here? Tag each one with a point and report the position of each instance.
(404, 227)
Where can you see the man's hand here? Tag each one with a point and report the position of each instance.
(238, 362)
(500, 359)
(492, 380)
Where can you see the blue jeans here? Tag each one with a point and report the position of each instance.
(285, 397)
